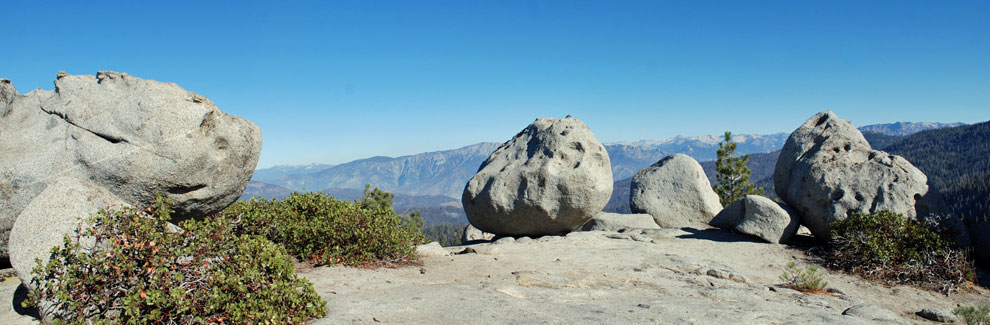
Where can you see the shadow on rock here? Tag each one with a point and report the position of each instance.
(20, 295)
(717, 235)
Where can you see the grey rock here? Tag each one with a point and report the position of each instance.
(873, 313)
(549, 179)
(607, 221)
(758, 216)
(523, 240)
(58, 211)
(134, 137)
(729, 217)
(940, 315)
(676, 192)
(430, 250)
(827, 169)
(470, 234)
(504, 240)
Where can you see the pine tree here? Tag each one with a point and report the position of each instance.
(731, 173)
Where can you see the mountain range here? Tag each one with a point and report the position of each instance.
(428, 177)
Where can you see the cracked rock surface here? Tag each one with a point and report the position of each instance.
(665, 276)
(130, 136)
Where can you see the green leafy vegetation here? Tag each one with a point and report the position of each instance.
(979, 315)
(810, 279)
(888, 247)
(731, 173)
(141, 271)
(324, 230)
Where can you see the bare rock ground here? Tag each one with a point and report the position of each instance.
(667, 276)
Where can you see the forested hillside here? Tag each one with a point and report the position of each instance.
(956, 162)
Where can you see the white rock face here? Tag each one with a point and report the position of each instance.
(827, 169)
(676, 192)
(549, 179)
(759, 216)
(607, 221)
(131, 136)
(470, 234)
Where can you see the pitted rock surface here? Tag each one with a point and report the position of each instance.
(549, 179)
(827, 169)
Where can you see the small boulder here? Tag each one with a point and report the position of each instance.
(431, 249)
(607, 221)
(874, 313)
(827, 169)
(471, 234)
(676, 192)
(759, 216)
(940, 315)
(549, 179)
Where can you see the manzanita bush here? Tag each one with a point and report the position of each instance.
(325, 230)
(893, 249)
(140, 269)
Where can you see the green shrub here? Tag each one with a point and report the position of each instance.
(324, 230)
(888, 247)
(811, 279)
(974, 315)
(141, 271)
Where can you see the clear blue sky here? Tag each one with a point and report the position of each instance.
(336, 81)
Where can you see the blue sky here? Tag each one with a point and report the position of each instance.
(336, 81)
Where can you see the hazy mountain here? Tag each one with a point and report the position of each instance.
(431, 173)
(906, 128)
(630, 157)
(264, 190)
(434, 208)
(274, 174)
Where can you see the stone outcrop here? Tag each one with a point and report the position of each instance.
(607, 221)
(676, 192)
(758, 216)
(827, 169)
(549, 179)
(127, 137)
(472, 234)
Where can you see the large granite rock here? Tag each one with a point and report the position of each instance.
(56, 212)
(676, 192)
(827, 169)
(133, 137)
(758, 216)
(607, 221)
(549, 179)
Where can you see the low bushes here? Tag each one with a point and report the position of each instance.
(141, 271)
(978, 315)
(324, 230)
(888, 247)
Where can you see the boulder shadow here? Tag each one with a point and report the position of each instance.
(20, 295)
(717, 235)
